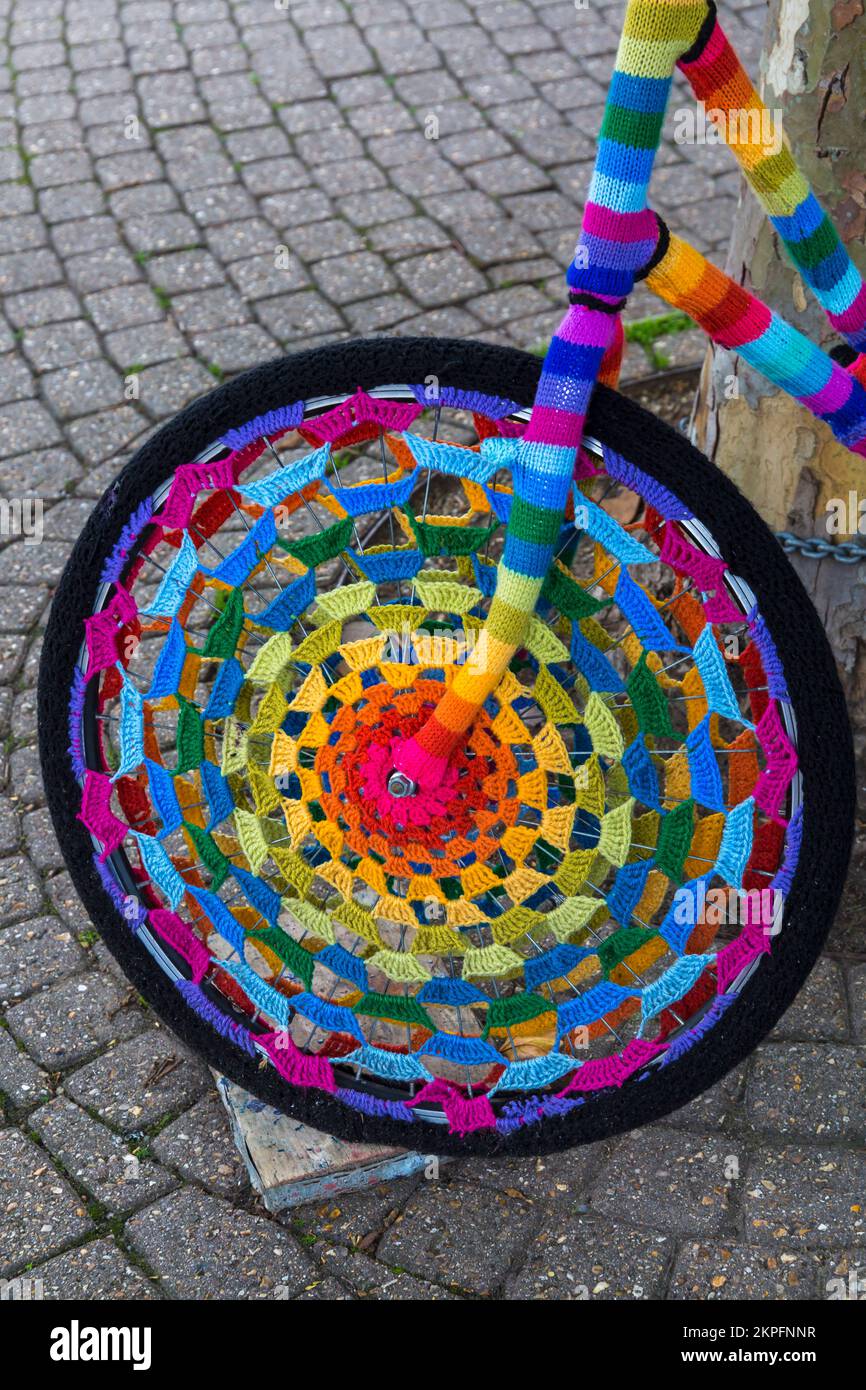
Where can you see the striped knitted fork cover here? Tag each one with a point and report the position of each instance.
(718, 80)
(617, 238)
(740, 321)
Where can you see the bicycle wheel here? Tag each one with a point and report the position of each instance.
(635, 861)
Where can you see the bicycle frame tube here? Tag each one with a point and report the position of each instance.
(738, 320)
(719, 80)
(618, 236)
(619, 240)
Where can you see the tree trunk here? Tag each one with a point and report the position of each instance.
(785, 461)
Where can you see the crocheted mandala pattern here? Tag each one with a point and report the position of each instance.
(280, 621)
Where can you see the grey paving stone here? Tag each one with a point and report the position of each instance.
(339, 51)
(358, 275)
(20, 1079)
(809, 1089)
(458, 1234)
(139, 1081)
(71, 200)
(104, 53)
(24, 714)
(66, 1022)
(60, 344)
(16, 381)
(97, 1160)
(195, 171)
(144, 345)
(10, 828)
(857, 994)
(225, 203)
(512, 303)
(356, 1219)
(20, 890)
(264, 276)
(24, 232)
(441, 277)
(95, 1271)
(292, 317)
(324, 1291)
(82, 389)
(200, 1247)
(407, 237)
(142, 201)
(122, 307)
(370, 208)
(213, 62)
(100, 437)
(715, 1271)
(192, 269)
(40, 840)
(39, 56)
(457, 209)
(103, 82)
(562, 1178)
(473, 146)
(21, 609)
(124, 168)
(364, 91)
(235, 349)
(25, 425)
(28, 270)
(487, 242)
(36, 953)
(170, 99)
(203, 310)
(567, 145)
(382, 118)
(382, 311)
(161, 231)
(42, 1213)
(541, 211)
(375, 1281)
(331, 237)
(169, 386)
(23, 562)
(514, 174)
(239, 240)
(667, 1181)
(427, 176)
(35, 109)
(347, 176)
(805, 1197)
(52, 170)
(199, 1146)
(17, 198)
(584, 1260)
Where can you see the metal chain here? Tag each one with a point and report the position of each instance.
(814, 548)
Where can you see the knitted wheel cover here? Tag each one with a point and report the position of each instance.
(605, 866)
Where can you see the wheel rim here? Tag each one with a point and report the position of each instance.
(458, 1082)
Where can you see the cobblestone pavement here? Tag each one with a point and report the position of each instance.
(155, 155)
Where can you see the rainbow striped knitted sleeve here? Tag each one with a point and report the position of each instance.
(718, 80)
(618, 236)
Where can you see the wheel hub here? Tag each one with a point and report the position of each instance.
(400, 785)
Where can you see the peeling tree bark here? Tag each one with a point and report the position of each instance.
(813, 69)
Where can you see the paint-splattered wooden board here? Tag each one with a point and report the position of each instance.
(289, 1163)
